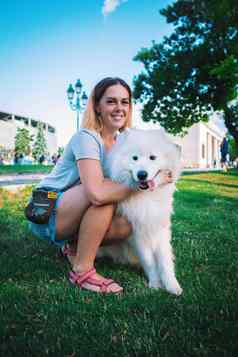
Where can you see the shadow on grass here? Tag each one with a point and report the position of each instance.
(32, 260)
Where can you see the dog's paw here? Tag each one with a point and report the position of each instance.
(174, 288)
(177, 291)
(154, 284)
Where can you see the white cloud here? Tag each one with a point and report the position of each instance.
(111, 5)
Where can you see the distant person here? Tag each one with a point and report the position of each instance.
(41, 159)
(16, 158)
(21, 159)
(224, 153)
(1, 160)
(54, 159)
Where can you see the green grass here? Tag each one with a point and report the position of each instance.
(41, 314)
(24, 169)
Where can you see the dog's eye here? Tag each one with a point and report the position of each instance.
(135, 157)
(152, 157)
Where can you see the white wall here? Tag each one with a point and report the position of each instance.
(189, 146)
(7, 134)
(191, 143)
(210, 137)
(207, 134)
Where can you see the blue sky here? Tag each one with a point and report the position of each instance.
(45, 45)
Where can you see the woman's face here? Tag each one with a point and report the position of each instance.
(114, 107)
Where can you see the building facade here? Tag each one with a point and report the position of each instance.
(8, 127)
(201, 145)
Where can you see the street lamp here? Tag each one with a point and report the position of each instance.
(80, 101)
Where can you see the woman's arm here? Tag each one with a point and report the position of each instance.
(99, 190)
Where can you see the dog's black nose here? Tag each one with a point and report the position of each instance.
(142, 175)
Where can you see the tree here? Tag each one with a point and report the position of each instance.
(195, 69)
(39, 147)
(60, 150)
(23, 141)
(233, 150)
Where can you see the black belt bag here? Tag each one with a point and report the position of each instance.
(41, 205)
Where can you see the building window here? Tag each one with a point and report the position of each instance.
(34, 123)
(5, 116)
(203, 151)
(51, 129)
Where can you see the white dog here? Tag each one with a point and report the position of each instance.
(140, 158)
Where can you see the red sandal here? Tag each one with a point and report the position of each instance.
(67, 252)
(100, 285)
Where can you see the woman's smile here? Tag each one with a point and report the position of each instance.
(114, 107)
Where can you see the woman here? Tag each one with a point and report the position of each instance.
(85, 206)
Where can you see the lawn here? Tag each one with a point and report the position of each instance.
(24, 169)
(43, 315)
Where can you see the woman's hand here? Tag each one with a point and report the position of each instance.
(167, 176)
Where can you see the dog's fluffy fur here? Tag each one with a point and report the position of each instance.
(149, 211)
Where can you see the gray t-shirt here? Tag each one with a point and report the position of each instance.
(85, 144)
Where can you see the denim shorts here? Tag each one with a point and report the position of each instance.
(47, 231)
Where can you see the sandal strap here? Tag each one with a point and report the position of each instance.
(100, 282)
(80, 278)
(67, 250)
(103, 283)
(86, 277)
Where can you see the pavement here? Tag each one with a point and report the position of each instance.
(20, 179)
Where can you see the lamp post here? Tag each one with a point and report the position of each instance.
(80, 100)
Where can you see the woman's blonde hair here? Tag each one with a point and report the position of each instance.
(91, 119)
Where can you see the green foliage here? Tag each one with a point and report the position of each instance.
(233, 150)
(193, 70)
(60, 150)
(39, 147)
(23, 141)
(43, 315)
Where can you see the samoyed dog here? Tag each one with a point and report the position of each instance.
(140, 158)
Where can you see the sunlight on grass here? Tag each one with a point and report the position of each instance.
(22, 169)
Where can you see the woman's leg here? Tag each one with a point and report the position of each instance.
(72, 207)
(93, 227)
(119, 230)
(93, 224)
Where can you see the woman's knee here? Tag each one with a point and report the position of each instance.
(122, 227)
(105, 211)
